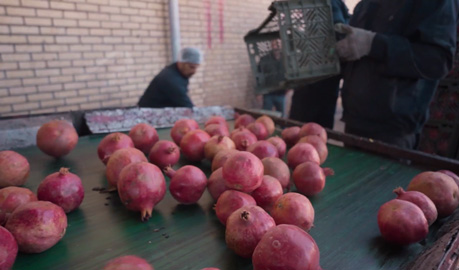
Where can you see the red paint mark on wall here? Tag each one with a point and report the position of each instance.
(220, 17)
(207, 6)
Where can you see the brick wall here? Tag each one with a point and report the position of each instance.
(85, 54)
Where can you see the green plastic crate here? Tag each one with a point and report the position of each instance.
(295, 45)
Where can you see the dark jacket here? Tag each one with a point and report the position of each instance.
(168, 89)
(390, 90)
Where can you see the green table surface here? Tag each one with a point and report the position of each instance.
(191, 237)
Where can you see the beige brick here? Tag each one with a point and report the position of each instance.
(111, 103)
(20, 11)
(47, 72)
(5, 109)
(35, 3)
(11, 83)
(4, 29)
(101, 32)
(132, 40)
(26, 106)
(87, 23)
(19, 74)
(109, 89)
(88, 92)
(87, 55)
(12, 99)
(52, 103)
(139, 19)
(64, 22)
(80, 48)
(140, 33)
(85, 77)
(29, 48)
(81, 63)
(15, 29)
(75, 15)
(3, 92)
(71, 55)
(121, 32)
(130, 11)
(90, 105)
(50, 88)
(104, 48)
(38, 21)
(44, 56)
(65, 94)
(137, 4)
(120, 3)
(68, 108)
(105, 62)
(53, 30)
(67, 39)
(97, 83)
(86, 7)
(2, 10)
(109, 9)
(10, 2)
(76, 100)
(8, 20)
(95, 97)
(68, 71)
(113, 40)
(40, 39)
(8, 65)
(38, 97)
(49, 13)
(35, 81)
(60, 63)
(42, 111)
(111, 25)
(98, 2)
(95, 69)
(61, 79)
(77, 31)
(15, 56)
(56, 48)
(98, 16)
(23, 90)
(62, 5)
(12, 39)
(119, 18)
(91, 40)
(32, 65)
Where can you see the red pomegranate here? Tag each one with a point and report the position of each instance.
(141, 186)
(259, 130)
(236, 130)
(187, 183)
(263, 149)
(291, 135)
(120, 159)
(128, 262)
(309, 178)
(267, 193)
(181, 128)
(229, 201)
(57, 138)
(216, 184)
(14, 169)
(440, 188)
(164, 153)
(216, 129)
(11, 198)
(267, 122)
(286, 247)
(111, 143)
(421, 200)
(312, 128)
(300, 153)
(221, 157)
(244, 120)
(37, 226)
(192, 144)
(452, 175)
(243, 171)
(277, 168)
(279, 144)
(216, 119)
(217, 144)
(144, 137)
(402, 222)
(245, 227)
(62, 188)
(294, 208)
(243, 139)
(9, 249)
(318, 144)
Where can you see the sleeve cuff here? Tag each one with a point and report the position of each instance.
(378, 47)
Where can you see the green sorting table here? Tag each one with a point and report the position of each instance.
(191, 237)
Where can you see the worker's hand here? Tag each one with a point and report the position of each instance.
(356, 44)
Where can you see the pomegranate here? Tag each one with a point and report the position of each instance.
(277, 168)
(243, 139)
(144, 137)
(312, 128)
(221, 157)
(11, 198)
(267, 193)
(279, 144)
(216, 184)
(164, 153)
(181, 128)
(236, 130)
(294, 208)
(245, 227)
(318, 144)
(216, 119)
(286, 247)
(57, 138)
(62, 188)
(187, 183)
(267, 122)
(111, 143)
(291, 135)
(421, 200)
(37, 226)
(230, 201)
(141, 186)
(14, 169)
(309, 178)
(216, 129)
(9, 249)
(243, 120)
(216, 144)
(243, 171)
(193, 143)
(259, 130)
(128, 262)
(120, 159)
(402, 222)
(452, 175)
(440, 188)
(300, 153)
(263, 149)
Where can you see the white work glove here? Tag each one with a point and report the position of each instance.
(356, 44)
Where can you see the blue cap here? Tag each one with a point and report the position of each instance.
(190, 55)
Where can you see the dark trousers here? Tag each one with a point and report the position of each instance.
(316, 102)
(274, 100)
(408, 141)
